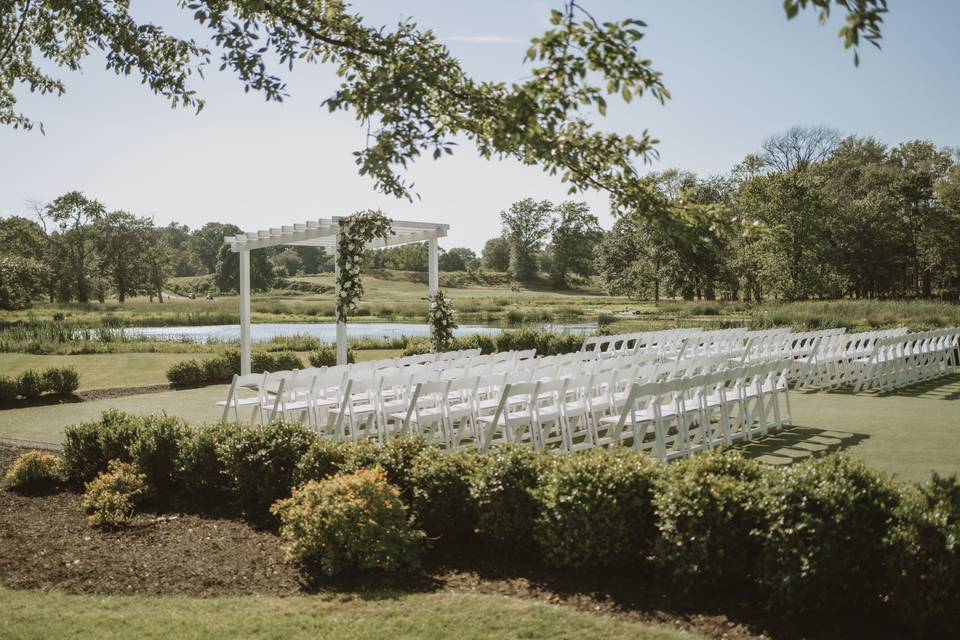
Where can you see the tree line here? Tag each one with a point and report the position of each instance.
(75, 250)
(812, 215)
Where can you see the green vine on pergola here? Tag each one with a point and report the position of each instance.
(355, 232)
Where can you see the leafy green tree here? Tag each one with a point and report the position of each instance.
(22, 237)
(496, 254)
(74, 216)
(946, 248)
(120, 239)
(526, 224)
(573, 241)
(407, 257)
(227, 274)
(629, 262)
(312, 259)
(21, 281)
(458, 259)
(208, 240)
(920, 165)
(176, 239)
(866, 241)
(287, 262)
(156, 261)
(401, 83)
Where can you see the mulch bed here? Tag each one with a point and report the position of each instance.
(47, 545)
(87, 396)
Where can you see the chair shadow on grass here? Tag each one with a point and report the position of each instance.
(797, 443)
(945, 388)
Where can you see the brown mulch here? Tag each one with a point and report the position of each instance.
(120, 392)
(87, 396)
(47, 545)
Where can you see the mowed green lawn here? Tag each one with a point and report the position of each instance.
(34, 614)
(910, 434)
(110, 370)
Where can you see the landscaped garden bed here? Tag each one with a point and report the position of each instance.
(713, 544)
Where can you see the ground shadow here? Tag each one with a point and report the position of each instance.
(945, 388)
(41, 401)
(645, 593)
(797, 443)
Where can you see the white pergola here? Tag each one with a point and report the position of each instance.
(323, 233)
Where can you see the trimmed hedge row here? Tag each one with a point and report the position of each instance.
(31, 384)
(824, 535)
(547, 343)
(220, 369)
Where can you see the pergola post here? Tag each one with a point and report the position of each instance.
(341, 326)
(434, 275)
(324, 232)
(244, 312)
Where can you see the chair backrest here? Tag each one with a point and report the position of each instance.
(426, 395)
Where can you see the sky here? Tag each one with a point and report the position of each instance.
(738, 72)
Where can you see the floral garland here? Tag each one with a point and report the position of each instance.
(441, 322)
(356, 231)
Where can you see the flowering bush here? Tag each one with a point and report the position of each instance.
(352, 521)
(442, 324)
(111, 496)
(35, 470)
(355, 232)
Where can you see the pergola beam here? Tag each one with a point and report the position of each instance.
(324, 233)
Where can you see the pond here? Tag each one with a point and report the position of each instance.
(326, 331)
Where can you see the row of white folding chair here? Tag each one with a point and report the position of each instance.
(556, 414)
(711, 343)
(682, 416)
(899, 361)
(801, 348)
(761, 346)
(838, 358)
(632, 343)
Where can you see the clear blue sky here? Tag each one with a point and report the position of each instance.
(738, 72)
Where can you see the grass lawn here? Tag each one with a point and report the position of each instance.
(910, 433)
(107, 370)
(100, 370)
(34, 614)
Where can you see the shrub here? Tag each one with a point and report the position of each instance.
(61, 381)
(199, 466)
(395, 457)
(30, 384)
(188, 373)
(486, 343)
(259, 463)
(322, 460)
(416, 347)
(34, 470)
(156, 448)
(711, 519)
(828, 519)
(112, 495)
(501, 488)
(89, 446)
(261, 361)
(596, 509)
(352, 521)
(440, 493)
(922, 558)
(326, 356)
(220, 368)
(8, 389)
